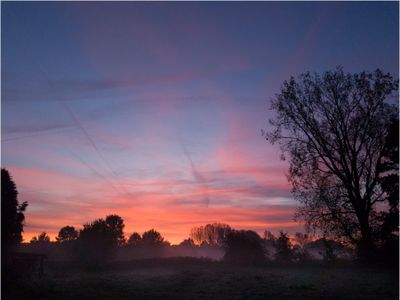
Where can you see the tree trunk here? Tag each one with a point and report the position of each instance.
(366, 247)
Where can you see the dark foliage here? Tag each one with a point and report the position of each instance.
(388, 232)
(41, 238)
(116, 225)
(152, 238)
(98, 241)
(134, 239)
(300, 252)
(337, 131)
(12, 214)
(188, 243)
(12, 223)
(283, 248)
(243, 247)
(67, 234)
(150, 244)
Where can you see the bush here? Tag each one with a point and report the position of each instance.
(243, 247)
(96, 244)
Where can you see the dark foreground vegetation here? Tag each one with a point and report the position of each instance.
(190, 278)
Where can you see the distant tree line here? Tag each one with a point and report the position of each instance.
(103, 240)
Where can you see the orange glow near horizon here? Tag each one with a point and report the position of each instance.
(175, 225)
(170, 206)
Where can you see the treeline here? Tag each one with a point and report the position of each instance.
(104, 240)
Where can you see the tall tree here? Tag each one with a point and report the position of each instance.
(335, 130)
(116, 225)
(12, 213)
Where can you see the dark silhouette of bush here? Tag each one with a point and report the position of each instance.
(66, 240)
(67, 234)
(41, 244)
(99, 240)
(152, 238)
(151, 244)
(283, 248)
(389, 252)
(243, 247)
(329, 255)
(269, 244)
(134, 239)
(96, 244)
(188, 243)
(41, 238)
(329, 250)
(299, 251)
(186, 248)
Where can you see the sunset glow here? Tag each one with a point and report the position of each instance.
(155, 113)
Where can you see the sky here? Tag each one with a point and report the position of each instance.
(154, 110)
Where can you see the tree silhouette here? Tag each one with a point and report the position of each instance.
(41, 238)
(243, 247)
(134, 239)
(41, 244)
(302, 239)
(67, 234)
(269, 244)
(96, 243)
(12, 214)
(212, 234)
(116, 225)
(299, 249)
(268, 235)
(283, 248)
(187, 243)
(152, 238)
(335, 130)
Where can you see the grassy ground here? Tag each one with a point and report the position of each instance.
(211, 281)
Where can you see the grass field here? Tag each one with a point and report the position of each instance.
(211, 281)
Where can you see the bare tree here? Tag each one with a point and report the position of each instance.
(334, 128)
(212, 234)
